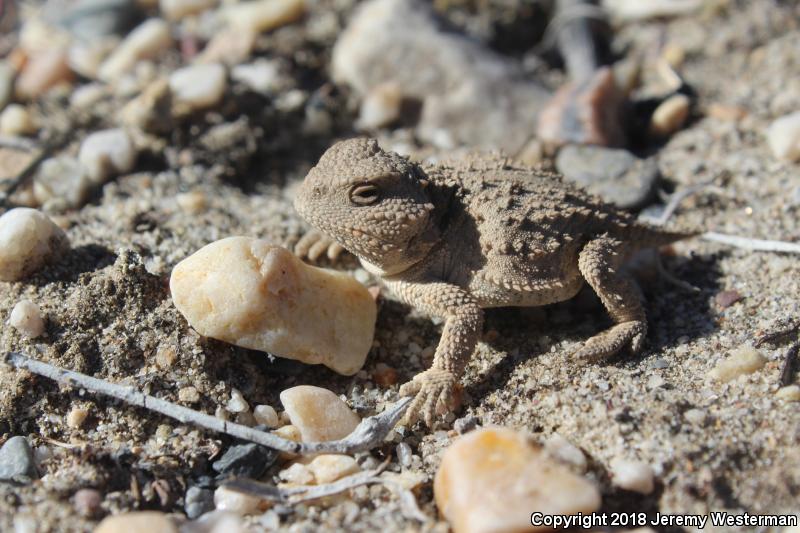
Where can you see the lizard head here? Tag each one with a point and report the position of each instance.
(373, 203)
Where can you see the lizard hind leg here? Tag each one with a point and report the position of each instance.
(598, 262)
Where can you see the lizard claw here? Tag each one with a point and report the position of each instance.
(609, 342)
(433, 392)
(313, 244)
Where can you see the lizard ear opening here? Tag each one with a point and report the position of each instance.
(366, 194)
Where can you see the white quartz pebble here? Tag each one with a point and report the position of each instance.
(198, 86)
(17, 120)
(107, 153)
(226, 499)
(318, 413)
(632, 475)
(147, 40)
(266, 415)
(26, 317)
(262, 15)
(783, 137)
(28, 239)
(260, 296)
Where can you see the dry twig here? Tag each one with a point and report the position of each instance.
(368, 434)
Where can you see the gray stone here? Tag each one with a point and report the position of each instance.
(247, 460)
(615, 175)
(93, 19)
(198, 501)
(470, 95)
(16, 461)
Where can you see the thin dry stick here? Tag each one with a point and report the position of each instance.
(368, 434)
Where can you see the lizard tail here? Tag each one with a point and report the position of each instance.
(647, 236)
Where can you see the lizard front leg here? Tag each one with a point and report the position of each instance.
(434, 388)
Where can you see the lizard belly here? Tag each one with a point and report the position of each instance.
(524, 291)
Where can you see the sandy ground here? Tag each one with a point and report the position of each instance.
(109, 312)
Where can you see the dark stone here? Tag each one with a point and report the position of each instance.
(615, 175)
(245, 460)
(465, 424)
(16, 461)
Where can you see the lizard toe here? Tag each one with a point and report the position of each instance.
(612, 341)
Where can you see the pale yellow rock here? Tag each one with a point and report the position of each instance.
(632, 475)
(330, 467)
(26, 317)
(790, 393)
(743, 360)
(297, 474)
(318, 413)
(17, 120)
(28, 239)
(670, 115)
(253, 294)
(289, 432)
(76, 417)
(178, 9)
(198, 86)
(226, 499)
(493, 479)
(147, 40)
(266, 415)
(263, 15)
(137, 522)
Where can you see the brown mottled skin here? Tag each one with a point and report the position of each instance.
(456, 238)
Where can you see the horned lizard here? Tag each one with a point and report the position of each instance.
(455, 238)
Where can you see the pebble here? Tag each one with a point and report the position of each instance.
(783, 137)
(198, 86)
(262, 15)
(86, 58)
(179, 9)
(566, 452)
(404, 454)
(91, 20)
(695, 416)
(381, 107)
(229, 46)
(193, 202)
(106, 153)
(137, 522)
(639, 10)
(289, 432)
(670, 115)
(725, 299)
(237, 403)
(384, 375)
(318, 413)
(328, 468)
(189, 394)
(297, 474)
(26, 317)
(257, 295)
(87, 502)
(61, 183)
(198, 501)
(16, 461)
(247, 460)
(146, 41)
(76, 417)
(7, 75)
(262, 76)
(743, 360)
(266, 416)
(631, 475)
(226, 499)
(28, 240)
(616, 175)
(790, 393)
(87, 95)
(218, 522)
(43, 71)
(465, 424)
(17, 120)
(492, 479)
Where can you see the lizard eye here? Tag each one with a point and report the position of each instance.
(364, 194)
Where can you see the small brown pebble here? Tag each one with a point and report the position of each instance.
(42, 72)
(76, 417)
(87, 502)
(165, 356)
(726, 112)
(726, 299)
(670, 115)
(384, 375)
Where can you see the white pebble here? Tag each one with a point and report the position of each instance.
(670, 115)
(318, 413)
(87, 95)
(631, 475)
(743, 360)
(790, 393)
(237, 403)
(566, 452)
(17, 120)
(198, 86)
(328, 468)
(783, 137)
(229, 500)
(261, 76)
(107, 153)
(189, 394)
(26, 317)
(262, 15)
(28, 239)
(147, 40)
(297, 474)
(695, 416)
(380, 107)
(266, 415)
(178, 9)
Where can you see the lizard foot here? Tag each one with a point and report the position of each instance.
(313, 244)
(434, 395)
(605, 344)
